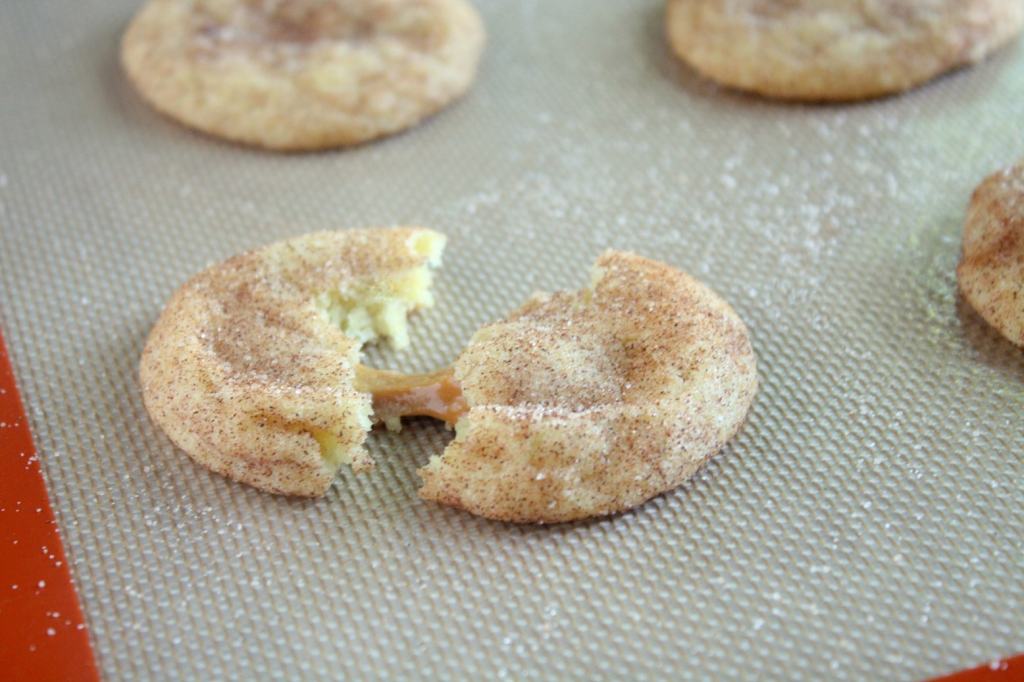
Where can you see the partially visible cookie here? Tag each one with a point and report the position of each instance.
(836, 49)
(251, 368)
(302, 74)
(991, 270)
(588, 403)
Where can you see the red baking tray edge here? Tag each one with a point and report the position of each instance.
(42, 631)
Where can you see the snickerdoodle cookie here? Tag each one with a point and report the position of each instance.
(836, 49)
(578, 404)
(991, 271)
(302, 74)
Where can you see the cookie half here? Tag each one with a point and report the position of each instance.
(587, 403)
(251, 367)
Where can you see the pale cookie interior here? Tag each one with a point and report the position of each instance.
(378, 312)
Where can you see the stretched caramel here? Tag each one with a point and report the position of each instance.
(433, 394)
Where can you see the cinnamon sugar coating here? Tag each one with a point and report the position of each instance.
(302, 74)
(836, 49)
(588, 403)
(250, 367)
(991, 271)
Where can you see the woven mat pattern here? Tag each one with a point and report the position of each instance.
(867, 523)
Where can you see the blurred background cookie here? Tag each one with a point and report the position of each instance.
(302, 74)
(991, 271)
(836, 49)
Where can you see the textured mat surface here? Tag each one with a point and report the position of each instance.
(867, 523)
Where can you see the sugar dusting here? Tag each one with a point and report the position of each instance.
(582, 135)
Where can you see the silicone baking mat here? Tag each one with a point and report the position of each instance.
(867, 523)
